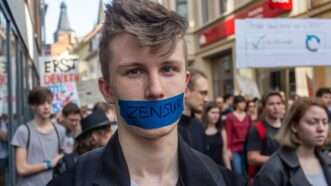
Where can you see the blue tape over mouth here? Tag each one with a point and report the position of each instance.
(152, 114)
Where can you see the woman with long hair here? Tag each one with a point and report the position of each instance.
(216, 147)
(300, 160)
(237, 125)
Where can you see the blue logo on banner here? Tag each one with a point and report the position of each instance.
(312, 43)
(152, 114)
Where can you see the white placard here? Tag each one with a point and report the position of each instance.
(60, 74)
(248, 87)
(89, 93)
(282, 42)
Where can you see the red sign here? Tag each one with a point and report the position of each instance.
(226, 28)
(282, 4)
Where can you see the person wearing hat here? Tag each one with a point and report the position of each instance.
(96, 132)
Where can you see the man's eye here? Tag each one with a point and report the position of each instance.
(134, 72)
(169, 69)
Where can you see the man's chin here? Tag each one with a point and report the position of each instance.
(152, 134)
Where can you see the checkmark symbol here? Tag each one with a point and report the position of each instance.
(258, 42)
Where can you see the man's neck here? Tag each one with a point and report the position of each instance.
(154, 159)
(276, 123)
(187, 111)
(41, 122)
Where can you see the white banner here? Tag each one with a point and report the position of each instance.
(89, 93)
(60, 69)
(282, 42)
(60, 75)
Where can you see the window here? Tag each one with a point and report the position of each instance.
(292, 81)
(275, 80)
(205, 14)
(223, 6)
(181, 8)
(4, 115)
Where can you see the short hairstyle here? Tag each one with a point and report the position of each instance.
(102, 106)
(70, 108)
(195, 75)
(321, 91)
(152, 24)
(39, 95)
(286, 136)
(266, 97)
(227, 97)
(238, 99)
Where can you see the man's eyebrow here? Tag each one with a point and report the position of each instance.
(171, 61)
(130, 64)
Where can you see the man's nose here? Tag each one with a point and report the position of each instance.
(154, 89)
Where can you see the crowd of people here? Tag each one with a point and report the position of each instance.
(159, 127)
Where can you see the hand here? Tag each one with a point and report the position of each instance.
(56, 160)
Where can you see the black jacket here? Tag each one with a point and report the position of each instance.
(107, 167)
(67, 162)
(283, 169)
(192, 131)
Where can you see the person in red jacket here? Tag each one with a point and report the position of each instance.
(237, 125)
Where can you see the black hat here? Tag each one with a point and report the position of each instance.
(93, 121)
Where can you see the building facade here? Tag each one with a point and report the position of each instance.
(212, 45)
(21, 43)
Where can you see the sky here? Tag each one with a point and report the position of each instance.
(82, 16)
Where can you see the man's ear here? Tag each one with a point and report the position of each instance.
(105, 90)
(187, 80)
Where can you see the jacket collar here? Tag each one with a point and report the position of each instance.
(113, 169)
(295, 172)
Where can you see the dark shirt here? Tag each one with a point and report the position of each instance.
(191, 130)
(107, 167)
(283, 168)
(214, 148)
(266, 147)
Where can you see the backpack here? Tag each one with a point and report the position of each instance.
(29, 137)
(262, 133)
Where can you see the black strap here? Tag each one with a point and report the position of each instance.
(57, 135)
(28, 140)
(58, 138)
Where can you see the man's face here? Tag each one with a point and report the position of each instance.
(326, 98)
(139, 73)
(220, 102)
(274, 107)
(72, 122)
(198, 95)
(44, 110)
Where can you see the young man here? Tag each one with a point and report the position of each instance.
(259, 150)
(325, 95)
(227, 106)
(143, 58)
(38, 144)
(70, 119)
(189, 127)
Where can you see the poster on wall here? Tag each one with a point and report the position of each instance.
(282, 43)
(60, 75)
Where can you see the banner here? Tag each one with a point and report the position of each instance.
(281, 4)
(248, 87)
(88, 92)
(62, 94)
(282, 43)
(60, 75)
